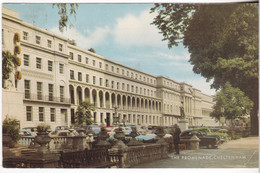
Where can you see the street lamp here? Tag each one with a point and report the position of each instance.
(115, 117)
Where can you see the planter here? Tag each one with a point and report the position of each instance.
(160, 133)
(103, 136)
(42, 139)
(133, 141)
(120, 136)
(6, 140)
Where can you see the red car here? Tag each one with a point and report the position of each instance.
(108, 128)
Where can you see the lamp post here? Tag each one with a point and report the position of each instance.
(119, 135)
(115, 117)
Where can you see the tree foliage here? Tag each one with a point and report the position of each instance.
(222, 40)
(11, 127)
(233, 101)
(83, 113)
(65, 10)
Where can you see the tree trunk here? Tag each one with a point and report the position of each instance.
(254, 119)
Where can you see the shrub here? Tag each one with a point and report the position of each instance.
(224, 135)
(202, 128)
(11, 127)
(43, 128)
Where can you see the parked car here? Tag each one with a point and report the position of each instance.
(32, 129)
(152, 128)
(27, 137)
(142, 130)
(113, 130)
(205, 140)
(208, 132)
(26, 133)
(62, 128)
(94, 129)
(108, 128)
(80, 130)
(127, 131)
(60, 133)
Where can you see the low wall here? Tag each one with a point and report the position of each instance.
(59, 143)
(135, 155)
(125, 158)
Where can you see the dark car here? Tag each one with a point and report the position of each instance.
(205, 140)
(207, 132)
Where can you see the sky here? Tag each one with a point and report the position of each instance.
(122, 33)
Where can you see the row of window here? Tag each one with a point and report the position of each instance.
(170, 108)
(42, 114)
(113, 84)
(39, 64)
(39, 95)
(113, 69)
(170, 84)
(139, 119)
(38, 41)
(171, 96)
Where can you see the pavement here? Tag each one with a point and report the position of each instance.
(240, 153)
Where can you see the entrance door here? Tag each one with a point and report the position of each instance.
(108, 119)
(72, 119)
(64, 118)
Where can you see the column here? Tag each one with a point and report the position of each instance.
(115, 100)
(97, 97)
(110, 101)
(104, 100)
(98, 118)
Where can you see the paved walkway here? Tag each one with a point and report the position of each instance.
(241, 153)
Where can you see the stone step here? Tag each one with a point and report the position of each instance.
(28, 152)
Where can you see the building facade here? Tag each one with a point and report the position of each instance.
(57, 76)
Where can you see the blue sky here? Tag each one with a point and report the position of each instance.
(122, 33)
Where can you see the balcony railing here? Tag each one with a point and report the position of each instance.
(46, 98)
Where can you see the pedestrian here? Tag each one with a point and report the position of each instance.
(176, 138)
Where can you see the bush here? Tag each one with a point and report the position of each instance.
(42, 128)
(11, 127)
(202, 128)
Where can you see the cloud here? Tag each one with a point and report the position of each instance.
(91, 40)
(184, 56)
(201, 84)
(181, 66)
(133, 30)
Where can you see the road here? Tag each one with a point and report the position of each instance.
(241, 153)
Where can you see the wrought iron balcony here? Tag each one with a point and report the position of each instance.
(46, 98)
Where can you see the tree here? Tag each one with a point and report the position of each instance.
(83, 113)
(11, 127)
(222, 40)
(64, 15)
(234, 103)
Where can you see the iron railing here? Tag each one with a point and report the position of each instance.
(46, 98)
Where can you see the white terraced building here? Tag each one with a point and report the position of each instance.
(57, 76)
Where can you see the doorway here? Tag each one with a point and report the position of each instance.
(108, 119)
